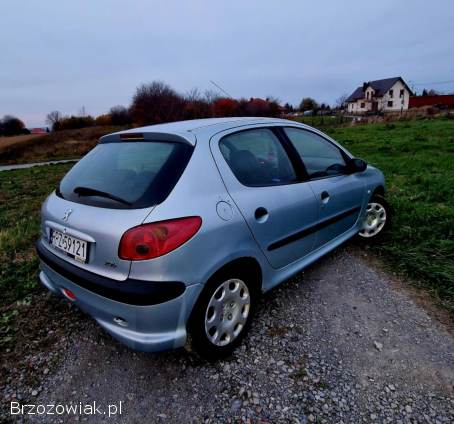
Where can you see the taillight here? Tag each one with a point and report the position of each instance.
(158, 238)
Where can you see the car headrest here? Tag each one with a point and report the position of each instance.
(245, 166)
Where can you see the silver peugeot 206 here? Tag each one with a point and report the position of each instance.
(167, 234)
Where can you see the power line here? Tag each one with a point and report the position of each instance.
(433, 83)
(220, 88)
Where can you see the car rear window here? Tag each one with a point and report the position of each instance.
(126, 174)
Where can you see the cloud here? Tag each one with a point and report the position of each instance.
(61, 55)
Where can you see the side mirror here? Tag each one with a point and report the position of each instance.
(357, 165)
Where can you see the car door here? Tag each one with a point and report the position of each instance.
(339, 193)
(265, 185)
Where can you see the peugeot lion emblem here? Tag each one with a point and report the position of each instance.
(67, 213)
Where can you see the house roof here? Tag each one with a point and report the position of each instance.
(38, 131)
(380, 87)
(356, 95)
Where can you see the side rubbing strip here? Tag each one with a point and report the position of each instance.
(313, 229)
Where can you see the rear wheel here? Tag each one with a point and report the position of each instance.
(222, 315)
(376, 219)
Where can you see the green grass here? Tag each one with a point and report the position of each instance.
(417, 158)
(21, 195)
(325, 122)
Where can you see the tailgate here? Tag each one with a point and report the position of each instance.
(100, 228)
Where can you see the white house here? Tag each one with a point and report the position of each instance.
(385, 95)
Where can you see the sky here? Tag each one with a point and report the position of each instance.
(59, 55)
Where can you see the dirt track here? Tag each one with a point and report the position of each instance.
(339, 343)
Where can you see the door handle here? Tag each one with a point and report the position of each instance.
(325, 197)
(261, 214)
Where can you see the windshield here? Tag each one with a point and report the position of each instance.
(126, 174)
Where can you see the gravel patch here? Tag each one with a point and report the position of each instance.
(338, 343)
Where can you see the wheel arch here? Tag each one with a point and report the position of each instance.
(247, 264)
(379, 190)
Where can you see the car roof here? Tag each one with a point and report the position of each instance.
(186, 131)
(209, 126)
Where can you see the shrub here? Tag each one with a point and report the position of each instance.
(308, 103)
(225, 107)
(10, 125)
(119, 115)
(75, 122)
(156, 102)
(103, 120)
(194, 109)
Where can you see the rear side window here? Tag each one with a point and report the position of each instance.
(320, 157)
(126, 174)
(257, 158)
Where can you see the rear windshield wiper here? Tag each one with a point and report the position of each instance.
(87, 191)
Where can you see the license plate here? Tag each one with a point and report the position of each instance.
(72, 246)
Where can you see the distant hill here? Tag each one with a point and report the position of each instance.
(63, 144)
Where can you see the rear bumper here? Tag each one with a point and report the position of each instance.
(131, 291)
(149, 328)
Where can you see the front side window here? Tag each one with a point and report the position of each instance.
(401, 93)
(390, 103)
(320, 157)
(391, 93)
(257, 158)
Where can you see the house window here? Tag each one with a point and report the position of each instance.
(367, 95)
(390, 103)
(391, 93)
(363, 105)
(401, 94)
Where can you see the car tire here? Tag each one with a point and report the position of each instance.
(222, 315)
(376, 220)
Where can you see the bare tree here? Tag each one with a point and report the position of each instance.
(211, 96)
(193, 95)
(53, 119)
(341, 100)
(430, 92)
(195, 105)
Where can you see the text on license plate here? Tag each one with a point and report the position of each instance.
(71, 245)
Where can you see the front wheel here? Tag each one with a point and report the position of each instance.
(376, 219)
(222, 315)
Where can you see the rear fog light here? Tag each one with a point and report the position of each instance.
(69, 294)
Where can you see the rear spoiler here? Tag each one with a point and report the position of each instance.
(137, 135)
